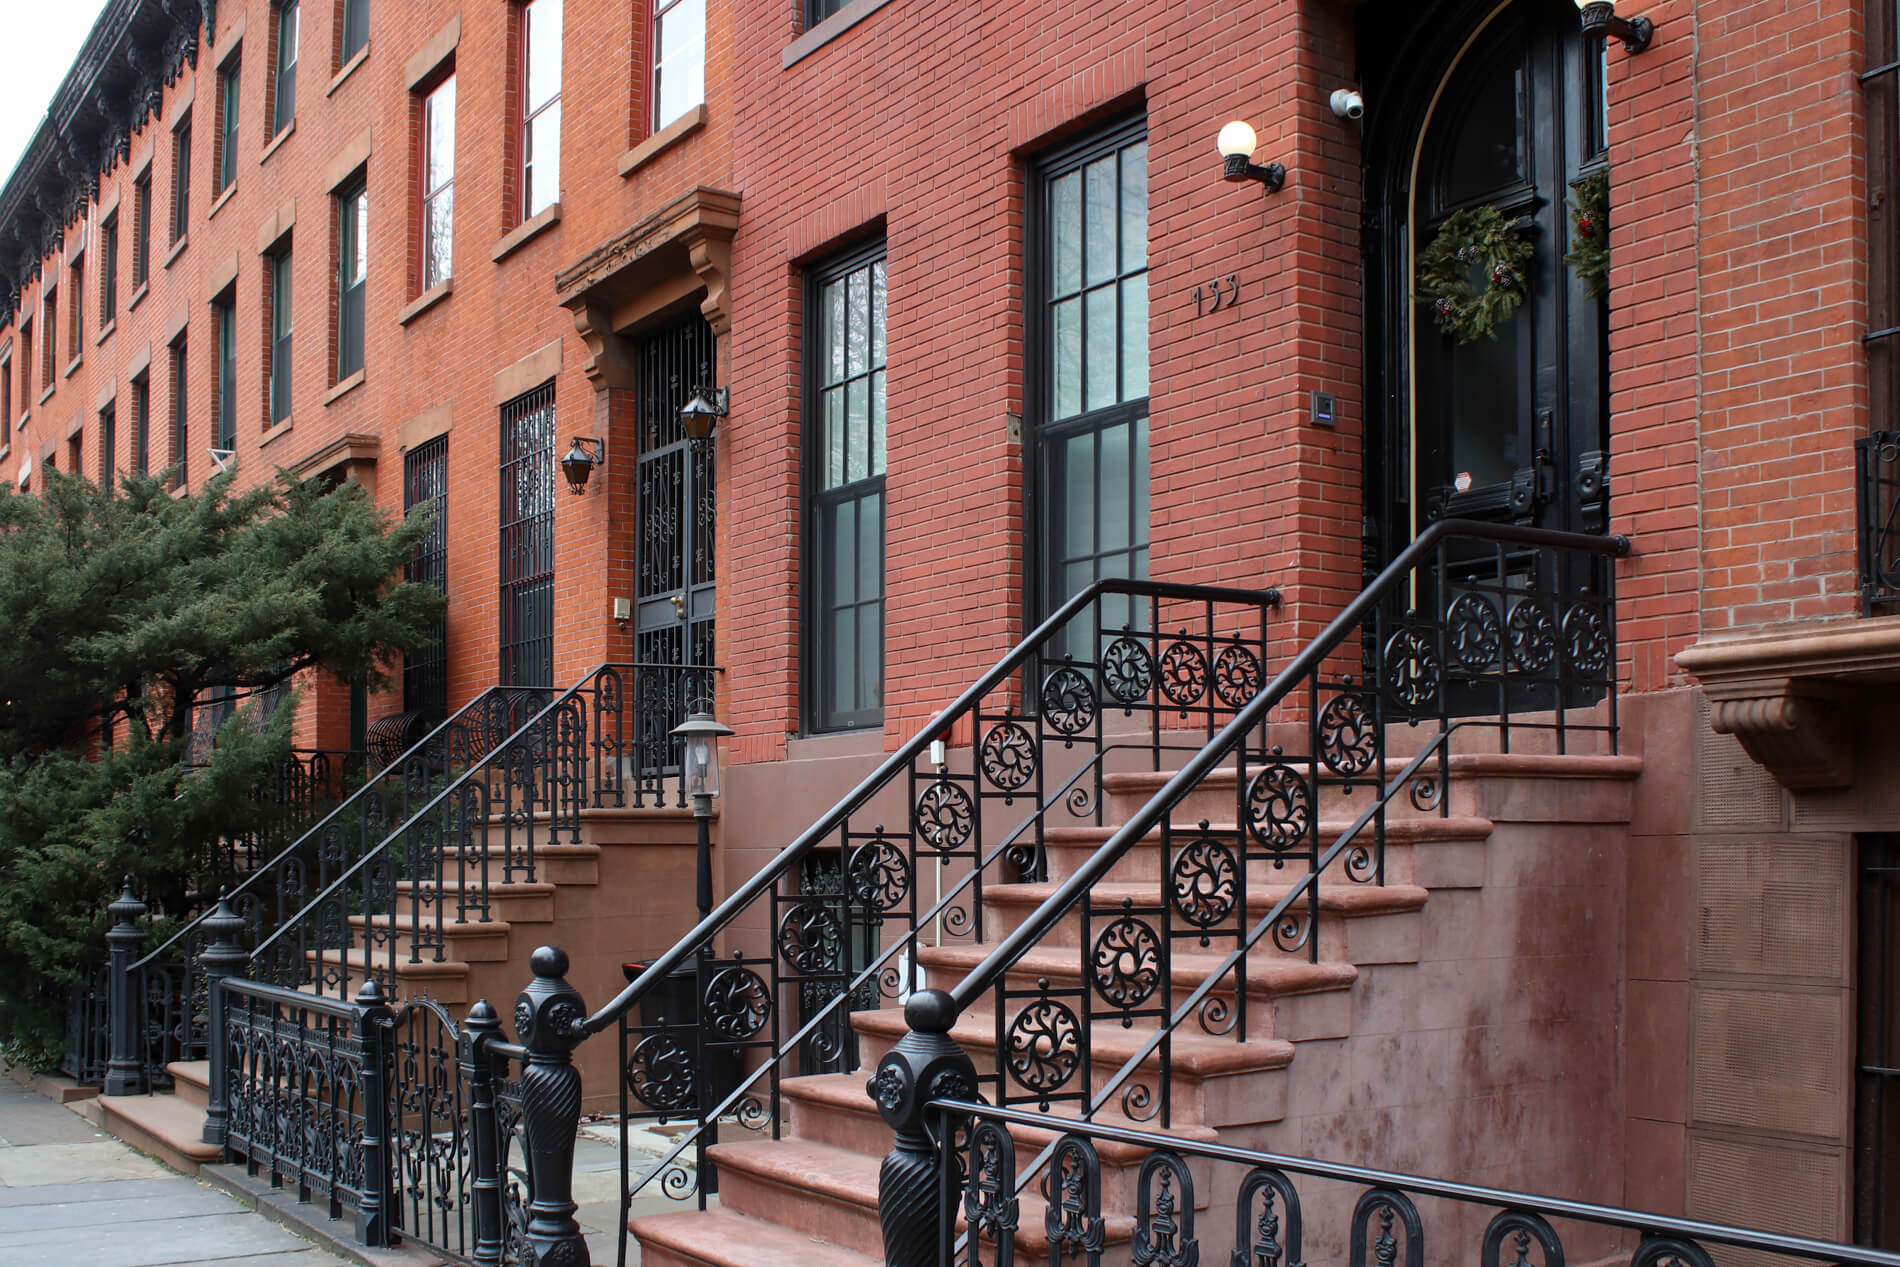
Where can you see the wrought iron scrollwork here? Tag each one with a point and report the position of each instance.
(1586, 642)
(1473, 633)
(1411, 670)
(1279, 807)
(1532, 635)
(1043, 1046)
(1128, 671)
(811, 939)
(1204, 883)
(1164, 1214)
(738, 1004)
(1125, 964)
(1522, 1227)
(1068, 701)
(1266, 1221)
(1386, 1205)
(1183, 673)
(989, 1200)
(1348, 740)
(946, 818)
(1238, 676)
(1073, 1189)
(879, 875)
(1009, 757)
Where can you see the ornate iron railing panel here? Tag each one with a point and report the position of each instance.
(1285, 1210)
(1877, 471)
(87, 1002)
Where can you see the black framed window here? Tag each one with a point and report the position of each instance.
(181, 178)
(181, 430)
(108, 269)
(283, 109)
(425, 482)
(355, 32)
(142, 228)
(1089, 314)
(49, 325)
(108, 445)
(352, 270)
(76, 306)
(6, 401)
(527, 539)
(1877, 1085)
(280, 337)
(224, 319)
(141, 425)
(228, 80)
(438, 183)
(679, 58)
(844, 462)
(541, 106)
(817, 11)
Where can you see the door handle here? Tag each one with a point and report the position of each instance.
(679, 606)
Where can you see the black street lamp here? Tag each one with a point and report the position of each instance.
(699, 737)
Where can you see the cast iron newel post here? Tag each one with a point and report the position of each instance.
(924, 1066)
(125, 1064)
(220, 959)
(548, 1017)
(375, 1213)
(478, 1070)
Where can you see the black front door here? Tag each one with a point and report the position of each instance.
(1510, 428)
(673, 606)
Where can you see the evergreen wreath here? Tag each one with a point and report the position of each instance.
(1479, 235)
(1589, 256)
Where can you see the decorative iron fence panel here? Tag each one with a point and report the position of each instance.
(1877, 470)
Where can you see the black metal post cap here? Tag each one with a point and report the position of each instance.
(549, 961)
(930, 1012)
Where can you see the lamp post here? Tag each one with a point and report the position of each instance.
(699, 736)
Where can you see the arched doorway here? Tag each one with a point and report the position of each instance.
(1474, 105)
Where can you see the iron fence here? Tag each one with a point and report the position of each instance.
(1877, 470)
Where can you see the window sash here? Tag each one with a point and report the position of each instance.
(108, 270)
(280, 330)
(541, 22)
(227, 376)
(679, 58)
(352, 268)
(228, 117)
(141, 425)
(49, 326)
(355, 29)
(181, 429)
(108, 444)
(438, 184)
(284, 93)
(76, 306)
(142, 228)
(181, 179)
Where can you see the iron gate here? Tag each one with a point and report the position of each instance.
(673, 610)
(1877, 1096)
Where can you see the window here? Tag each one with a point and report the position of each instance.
(108, 444)
(227, 124)
(679, 58)
(527, 539)
(142, 228)
(425, 482)
(6, 401)
(76, 454)
(818, 10)
(844, 447)
(181, 179)
(76, 306)
(541, 106)
(108, 270)
(355, 30)
(283, 109)
(141, 425)
(1876, 1160)
(224, 320)
(352, 267)
(438, 183)
(1090, 317)
(26, 367)
(278, 354)
(49, 325)
(180, 431)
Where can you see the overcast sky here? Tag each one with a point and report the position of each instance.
(42, 39)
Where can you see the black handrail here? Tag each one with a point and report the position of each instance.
(769, 876)
(1036, 926)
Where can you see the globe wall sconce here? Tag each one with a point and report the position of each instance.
(586, 454)
(1599, 17)
(1236, 144)
(702, 412)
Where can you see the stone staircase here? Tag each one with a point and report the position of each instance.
(1467, 899)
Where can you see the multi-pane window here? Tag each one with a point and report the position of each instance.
(141, 425)
(181, 178)
(108, 269)
(280, 336)
(108, 444)
(355, 30)
(845, 460)
(49, 326)
(352, 269)
(224, 321)
(227, 124)
(425, 482)
(438, 183)
(76, 306)
(817, 11)
(284, 82)
(142, 228)
(679, 58)
(181, 432)
(1091, 308)
(527, 539)
(541, 106)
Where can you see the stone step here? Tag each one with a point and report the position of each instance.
(1286, 998)
(445, 982)
(516, 901)
(469, 941)
(722, 1238)
(1358, 923)
(191, 1082)
(168, 1127)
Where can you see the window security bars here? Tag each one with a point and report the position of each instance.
(425, 482)
(1876, 1169)
(1879, 453)
(527, 539)
(1877, 463)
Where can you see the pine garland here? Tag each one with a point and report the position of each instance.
(1477, 236)
(1589, 255)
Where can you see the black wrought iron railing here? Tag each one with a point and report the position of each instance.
(1280, 1211)
(1877, 471)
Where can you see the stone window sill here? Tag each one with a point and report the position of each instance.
(525, 232)
(79, 359)
(138, 296)
(217, 204)
(45, 395)
(425, 301)
(24, 415)
(349, 68)
(665, 139)
(828, 30)
(178, 249)
(343, 388)
(283, 134)
(275, 431)
(105, 332)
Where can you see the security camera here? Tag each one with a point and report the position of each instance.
(1347, 104)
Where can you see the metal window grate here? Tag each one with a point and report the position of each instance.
(425, 481)
(527, 539)
(1878, 469)
(1877, 1094)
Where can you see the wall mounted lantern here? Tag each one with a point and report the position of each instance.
(1599, 17)
(586, 454)
(1236, 144)
(702, 412)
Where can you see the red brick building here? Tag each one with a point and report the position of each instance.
(989, 326)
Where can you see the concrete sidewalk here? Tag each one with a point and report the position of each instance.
(73, 1196)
